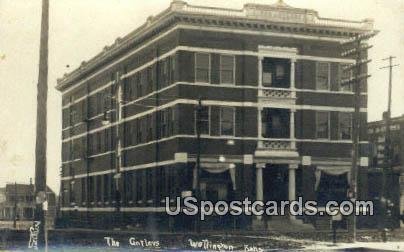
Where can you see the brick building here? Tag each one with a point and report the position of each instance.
(395, 180)
(276, 122)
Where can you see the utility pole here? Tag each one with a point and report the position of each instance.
(118, 94)
(197, 171)
(41, 123)
(387, 169)
(355, 48)
(15, 206)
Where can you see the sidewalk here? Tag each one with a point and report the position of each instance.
(378, 246)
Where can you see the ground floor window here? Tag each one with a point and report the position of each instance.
(332, 187)
(216, 186)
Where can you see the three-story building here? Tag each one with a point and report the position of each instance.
(276, 123)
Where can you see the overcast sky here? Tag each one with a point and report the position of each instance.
(79, 29)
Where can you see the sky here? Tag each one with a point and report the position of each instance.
(80, 29)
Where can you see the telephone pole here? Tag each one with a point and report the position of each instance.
(197, 171)
(387, 168)
(15, 206)
(355, 48)
(41, 124)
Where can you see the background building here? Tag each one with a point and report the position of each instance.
(276, 122)
(17, 202)
(377, 136)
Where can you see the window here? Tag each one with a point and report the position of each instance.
(150, 79)
(107, 99)
(279, 71)
(276, 73)
(106, 187)
(130, 133)
(171, 121)
(139, 91)
(172, 69)
(113, 191)
(91, 189)
(128, 187)
(99, 142)
(73, 115)
(202, 67)
(165, 68)
(227, 69)
(108, 140)
(275, 123)
(83, 190)
(143, 81)
(323, 76)
(345, 75)
(172, 182)
(267, 79)
(138, 131)
(149, 185)
(149, 126)
(139, 186)
(65, 118)
(160, 184)
(204, 122)
(98, 194)
(227, 115)
(77, 149)
(92, 106)
(322, 125)
(71, 192)
(163, 123)
(132, 82)
(396, 152)
(100, 103)
(345, 126)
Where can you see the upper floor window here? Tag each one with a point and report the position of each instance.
(345, 126)
(345, 76)
(227, 66)
(143, 81)
(323, 76)
(275, 123)
(204, 121)
(396, 153)
(149, 126)
(276, 73)
(227, 115)
(139, 136)
(202, 67)
(323, 125)
(150, 79)
(72, 192)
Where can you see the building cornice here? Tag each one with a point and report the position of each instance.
(398, 119)
(247, 18)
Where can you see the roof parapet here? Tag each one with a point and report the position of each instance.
(278, 12)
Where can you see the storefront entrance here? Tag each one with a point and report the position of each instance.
(276, 182)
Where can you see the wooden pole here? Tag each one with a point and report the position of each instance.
(41, 124)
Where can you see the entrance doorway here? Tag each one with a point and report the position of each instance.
(276, 180)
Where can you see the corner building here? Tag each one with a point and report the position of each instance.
(394, 176)
(276, 122)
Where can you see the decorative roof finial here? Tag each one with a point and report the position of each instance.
(281, 3)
